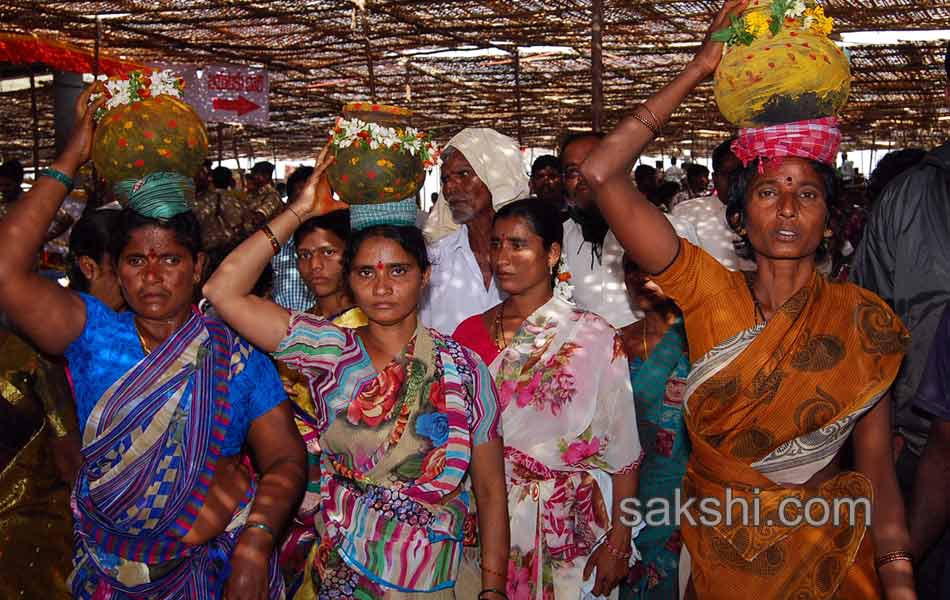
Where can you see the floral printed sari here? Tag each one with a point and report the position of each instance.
(396, 448)
(570, 423)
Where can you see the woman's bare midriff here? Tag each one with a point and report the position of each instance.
(228, 487)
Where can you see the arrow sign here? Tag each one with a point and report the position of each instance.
(241, 106)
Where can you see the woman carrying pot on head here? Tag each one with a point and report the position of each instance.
(166, 399)
(788, 366)
(406, 416)
(571, 448)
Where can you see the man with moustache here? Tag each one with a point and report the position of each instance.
(547, 184)
(482, 170)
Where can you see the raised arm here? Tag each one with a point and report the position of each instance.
(640, 227)
(261, 321)
(48, 314)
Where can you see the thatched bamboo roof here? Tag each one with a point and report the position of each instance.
(319, 51)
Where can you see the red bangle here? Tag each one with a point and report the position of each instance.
(274, 242)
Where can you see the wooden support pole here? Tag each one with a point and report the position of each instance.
(597, 65)
(369, 56)
(518, 95)
(220, 143)
(97, 192)
(36, 125)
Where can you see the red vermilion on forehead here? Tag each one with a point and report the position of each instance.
(152, 254)
(380, 266)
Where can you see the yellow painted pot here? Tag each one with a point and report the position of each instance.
(157, 134)
(792, 76)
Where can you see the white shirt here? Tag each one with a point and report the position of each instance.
(708, 217)
(674, 173)
(456, 287)
(600, 287)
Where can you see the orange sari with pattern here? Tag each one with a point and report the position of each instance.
(769, 405)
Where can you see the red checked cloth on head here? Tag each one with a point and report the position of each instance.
(816, 139)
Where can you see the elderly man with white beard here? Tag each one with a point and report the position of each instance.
(482, 170)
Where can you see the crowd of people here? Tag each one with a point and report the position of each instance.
(534, 392)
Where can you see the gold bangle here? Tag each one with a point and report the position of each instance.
(890, 557)
(274, 242)
(656, 121)
(653, 130)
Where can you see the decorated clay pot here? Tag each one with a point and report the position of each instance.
(157, 134)
(362, 174)
(794, 75)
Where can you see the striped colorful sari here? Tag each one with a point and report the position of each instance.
(150, 446)
(396, 447)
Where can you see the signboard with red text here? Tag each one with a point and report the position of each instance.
(225, 93)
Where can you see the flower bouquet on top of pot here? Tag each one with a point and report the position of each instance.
(146, 127)
(780, 65)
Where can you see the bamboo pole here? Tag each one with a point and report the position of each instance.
(518, 95)
(36, 125)
(597, 65)
(369, 56)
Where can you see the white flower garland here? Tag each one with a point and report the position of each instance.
(139, 86)
(347, 132)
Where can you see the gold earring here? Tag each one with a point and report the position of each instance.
(828, 233)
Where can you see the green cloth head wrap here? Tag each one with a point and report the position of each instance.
(160, 195)
(402, 212)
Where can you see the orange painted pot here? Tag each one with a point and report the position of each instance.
(795, 75)
(157, 134)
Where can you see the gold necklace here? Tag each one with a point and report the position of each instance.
(500, 342)
(145, 346)
(646, 352)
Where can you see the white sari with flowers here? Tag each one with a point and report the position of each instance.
(570, 423)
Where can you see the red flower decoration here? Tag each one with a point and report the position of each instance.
(437, 396)
(172, 123)
(345, 178)
(123, 143)
(140, 163)
(432, 465)
(148, 134)
(375, 402)
(371, 174)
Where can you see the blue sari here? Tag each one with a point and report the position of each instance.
(658, 388)
(151, 442)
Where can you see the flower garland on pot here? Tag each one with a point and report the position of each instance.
(354, 132)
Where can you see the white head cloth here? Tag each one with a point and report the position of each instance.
(498, 162)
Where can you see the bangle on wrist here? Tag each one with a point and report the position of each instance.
(291, 209)
(274, 242)
(890, 557)
(482, 595)
(263, 526)
(615, 552)
(59, 176)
